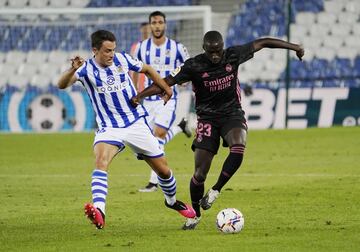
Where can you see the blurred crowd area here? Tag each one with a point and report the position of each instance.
(35, 49)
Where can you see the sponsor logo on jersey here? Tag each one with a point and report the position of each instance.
(175, 71)
(112, 88)
(110, 80)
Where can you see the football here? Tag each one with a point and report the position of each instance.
(230, 221)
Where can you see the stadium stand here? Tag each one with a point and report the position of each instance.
(329, 31)
(30, 46)
(33, 52)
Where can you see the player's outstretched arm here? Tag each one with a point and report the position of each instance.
(278, 43)
(158, 81)
(152, 90)
(68, 78)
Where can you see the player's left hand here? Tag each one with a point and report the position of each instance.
(300, 52)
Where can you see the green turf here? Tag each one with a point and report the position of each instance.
(299, 190)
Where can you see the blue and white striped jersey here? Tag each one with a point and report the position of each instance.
(164, 59)
(110, 90)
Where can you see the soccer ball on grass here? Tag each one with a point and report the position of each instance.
(230, 221)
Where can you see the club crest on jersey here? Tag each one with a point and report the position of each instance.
(167, 52)
(120, 69)
(110, 80)
(205, 75)
(175, 71)
(228, 68)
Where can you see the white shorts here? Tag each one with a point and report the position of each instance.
(138, 136)
(160, 115)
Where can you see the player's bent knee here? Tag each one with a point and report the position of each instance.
(200, 176)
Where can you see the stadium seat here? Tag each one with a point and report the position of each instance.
(348, 18)
(333, 6)
(325, 53)
(36, 57)
(58, 4)
(340, 30)
(305, 18)
(356, 29)
(346, 52)
(352, 42)
(353, 6)
(18, 81)
(319, 30)
(58, 56)
(41, 81)
(7, 69)
(17, 3)
(38, 3)
(79, 3)
(312, 42)
(326, 18)
(299, 30)
(2, 58)
(27, 70)
(15, 57)
(50, 69)
(333, 42)
(3, 3)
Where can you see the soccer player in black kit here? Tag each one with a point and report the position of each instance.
(218, 107)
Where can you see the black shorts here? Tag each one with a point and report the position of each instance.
(208, 132)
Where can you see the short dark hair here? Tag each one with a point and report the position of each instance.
(157, 13)
(213, 37)
(98, 37)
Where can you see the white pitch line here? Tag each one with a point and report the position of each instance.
(187, 175)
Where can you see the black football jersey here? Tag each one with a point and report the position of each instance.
(216, 86)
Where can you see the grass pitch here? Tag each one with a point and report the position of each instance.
(299, 190)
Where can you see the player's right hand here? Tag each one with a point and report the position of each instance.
(300, 52)
(166, 95)
(76, 62)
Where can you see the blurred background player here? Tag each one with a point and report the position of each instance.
(218, 108)
(145, 33)
(164, 55)
(105, 78)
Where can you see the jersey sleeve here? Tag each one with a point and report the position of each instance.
(183, 53)
(134, 64)
(182, 73)
(81, 71)
(244, 52)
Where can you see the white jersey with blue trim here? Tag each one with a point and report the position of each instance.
(110, 90)
(164, 59)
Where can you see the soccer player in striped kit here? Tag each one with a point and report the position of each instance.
(164, 55)
(110, 88)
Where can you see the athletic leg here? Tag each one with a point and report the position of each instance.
(167, 183)
(236, 138)
(104, 153)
